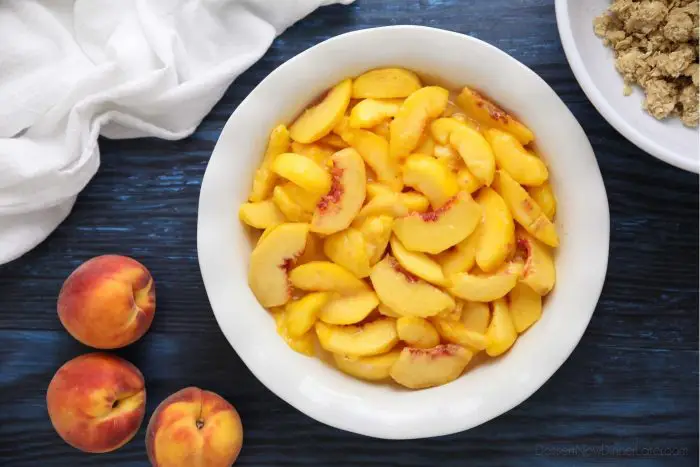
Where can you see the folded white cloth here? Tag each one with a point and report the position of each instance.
(71, 70)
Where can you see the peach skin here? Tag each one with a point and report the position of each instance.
(108, 302)
(96, 402)
(194, 428)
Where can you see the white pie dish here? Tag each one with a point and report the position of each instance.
(593, 65)
(323, 392)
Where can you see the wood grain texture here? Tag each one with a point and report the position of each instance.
(632, 383)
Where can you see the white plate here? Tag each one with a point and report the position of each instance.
(384, 411)
(594, 68)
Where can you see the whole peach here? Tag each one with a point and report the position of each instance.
(194, 428)
(108, 302)
(97, 402)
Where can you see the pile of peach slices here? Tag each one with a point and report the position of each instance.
(402, 232)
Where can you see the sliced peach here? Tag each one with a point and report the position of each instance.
(303, 344)
(371, 338)
(349, 309)
(447, 156)
(333, 141)
(415, 113)
(501, 334)
(470, 144)
(424, 368)
(497, 231)
(544, 197)
(442, 128)
(385, 83)
(374, 150)
(375, 189)
(430, 177)
(476, 316)
(319, 153)
(414, 202)
(484, 287)
(406, 294)
(525, 306)
(525, 210)
(348, 249)
(417, 332)
(271, 260)
(383, 129)
(455, 314)
(301, 314)
(264, 178)
(386, 311)
(538, 271)
(261, 214)
(426, 145)
(476, 153)
(393, 205)
(511, 156)
(460, 257)
(302, 171)
(343, 201)
(374, 368)
(467, 181)
(324, 276)
(456, 332)
(377, 231)
(291, 210)
(265, 233)
(370, 112)
(299, 196)
(317, 121)
(416, 263)
(313, 250)
(484, 111)
(437, 230)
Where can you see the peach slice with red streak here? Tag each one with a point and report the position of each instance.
(437, 230)
(525, 210)
(487, 113)
(538, 272)
(415, 113)
(108, 302)
(343, 201)
(96, 402)
(405, 293)
(424, 368)
(317, 121)
(271, 261)
(485, 287)
(192, 428)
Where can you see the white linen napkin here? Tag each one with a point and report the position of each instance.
(71, 70)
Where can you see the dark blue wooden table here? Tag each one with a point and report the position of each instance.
(627, 396)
